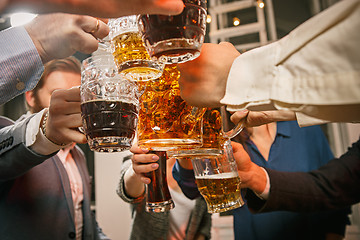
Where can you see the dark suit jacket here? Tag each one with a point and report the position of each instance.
(333, 186)
(35, 194)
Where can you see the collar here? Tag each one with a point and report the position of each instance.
(64, 152)
(284, 128)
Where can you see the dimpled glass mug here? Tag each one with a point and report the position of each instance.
(109, 105)
(128, 49)
(165, 120)
(175, 39)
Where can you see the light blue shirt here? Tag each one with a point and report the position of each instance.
(21, 65)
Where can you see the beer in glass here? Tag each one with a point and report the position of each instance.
(217, 178)
(109, 105)
(158, 198)
(175, 39)
(129, 51)
(165, 120)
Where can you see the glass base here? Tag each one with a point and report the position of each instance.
(141, 70)
(110, 144)
(169, 143)
(177, 50)
(159, 206)
(201, 152)
(225, 207)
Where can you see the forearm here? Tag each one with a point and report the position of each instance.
(134, 187)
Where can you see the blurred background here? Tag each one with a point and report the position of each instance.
(245, 23)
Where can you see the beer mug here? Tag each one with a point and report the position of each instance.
(175, 39)
(214, 165)
(165, 120)
(109, 105)
(129, 51)
(217, 179)
(158, 198)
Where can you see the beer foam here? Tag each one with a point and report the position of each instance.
(218, 176)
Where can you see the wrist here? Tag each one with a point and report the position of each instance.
(255, 179)
(43, 128)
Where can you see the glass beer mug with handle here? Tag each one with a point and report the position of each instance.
(214, 165)
(175, 39)
(217, 180)
(165, 122)
(109, 105)
(128, 49)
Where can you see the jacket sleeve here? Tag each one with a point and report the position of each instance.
(15, 157)
(333, 186)
(21, 65)
(313, 70)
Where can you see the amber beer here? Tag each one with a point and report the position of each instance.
(109, 125)
(165, 120)
(158, 198)
(132, 59)
(220, 191)
(175, 39)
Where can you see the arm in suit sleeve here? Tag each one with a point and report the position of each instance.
(21, 65)
(333, 186)
(15, 157)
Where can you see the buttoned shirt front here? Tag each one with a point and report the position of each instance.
(76, 186)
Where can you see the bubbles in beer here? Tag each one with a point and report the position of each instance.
(165, 120)
(221, 191)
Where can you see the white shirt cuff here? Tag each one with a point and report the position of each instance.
(35, 138)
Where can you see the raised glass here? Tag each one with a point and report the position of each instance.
(109, 105)
(166, 121)
(129, 51)
(175, 39)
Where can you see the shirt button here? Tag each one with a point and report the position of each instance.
(20, 85)
(71, 235)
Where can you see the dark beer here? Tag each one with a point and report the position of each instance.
(178, 38)
(158, 198)
(109, 124)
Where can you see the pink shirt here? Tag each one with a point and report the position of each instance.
(76, 186)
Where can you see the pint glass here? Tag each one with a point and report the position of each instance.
(129, 52)
(158, 198)
(175, 39)
(109, 105)
(165, 120)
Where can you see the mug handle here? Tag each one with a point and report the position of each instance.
(235, 130)
(104, 44)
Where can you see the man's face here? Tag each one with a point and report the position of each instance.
(56, 80)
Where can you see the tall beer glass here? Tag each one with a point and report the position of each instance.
(158, 198)
(109, 105)
(129, 51)
(175, 39)
(165, 120)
